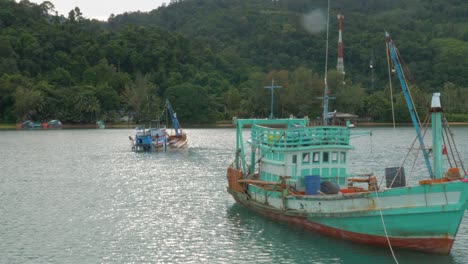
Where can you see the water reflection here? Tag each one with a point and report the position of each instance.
(81, 196)
(283, 243)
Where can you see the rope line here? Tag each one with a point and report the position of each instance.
(385, 228)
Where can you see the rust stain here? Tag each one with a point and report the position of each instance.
(234, 176)
(441, 245)
(372, 205)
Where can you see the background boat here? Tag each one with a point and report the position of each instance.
(100, 124)
(160, 138)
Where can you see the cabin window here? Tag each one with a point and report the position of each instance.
(275, 156)
(334, 157)
(281, 156)
(294, 159)
(325, 157)
(263, 176)
(316, 157)
(343, 157)
(305, 157)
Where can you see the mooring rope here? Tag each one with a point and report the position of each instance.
(385, 228)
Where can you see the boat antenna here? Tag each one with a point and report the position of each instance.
(325, 94)
(272, 87)
(390, 84)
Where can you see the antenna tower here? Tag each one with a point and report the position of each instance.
(340, 65)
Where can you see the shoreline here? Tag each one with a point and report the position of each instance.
(216, 125)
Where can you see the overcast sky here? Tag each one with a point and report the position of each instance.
(102, 9)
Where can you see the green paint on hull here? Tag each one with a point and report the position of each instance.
(436, 224)
(407, 212)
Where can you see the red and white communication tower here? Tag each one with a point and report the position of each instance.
(340, 65)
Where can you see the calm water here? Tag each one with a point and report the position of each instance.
(80, 196)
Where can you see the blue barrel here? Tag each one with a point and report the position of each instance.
(312, 184)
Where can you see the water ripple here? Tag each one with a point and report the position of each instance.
(80, 196)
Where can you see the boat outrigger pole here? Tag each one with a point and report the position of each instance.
(175, 122)
(409, 102)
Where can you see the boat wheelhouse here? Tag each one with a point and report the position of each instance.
(301, 151)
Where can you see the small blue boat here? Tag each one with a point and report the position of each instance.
(149, 139)
(157, 139)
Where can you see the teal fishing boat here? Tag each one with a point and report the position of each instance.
(53, 124)
(299, 174)
(100, 124)
(28, 124)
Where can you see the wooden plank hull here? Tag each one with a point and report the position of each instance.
(427, 228)
(177, 142)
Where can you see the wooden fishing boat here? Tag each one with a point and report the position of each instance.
(177, 139)
(298, 174)
(158, 138)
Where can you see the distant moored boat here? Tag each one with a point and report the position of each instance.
(100, 124)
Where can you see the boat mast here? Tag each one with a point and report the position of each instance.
(175, 122)
(436, 120)
(325, 93)
(272, 87)
(408, 100)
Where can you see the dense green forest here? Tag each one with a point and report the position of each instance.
(212, 59)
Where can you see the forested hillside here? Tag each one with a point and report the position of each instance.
(212, 58)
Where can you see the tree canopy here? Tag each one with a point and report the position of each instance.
(212, 58)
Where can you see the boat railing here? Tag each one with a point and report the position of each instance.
(143, 132)
(153, 132)
(300, 137)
